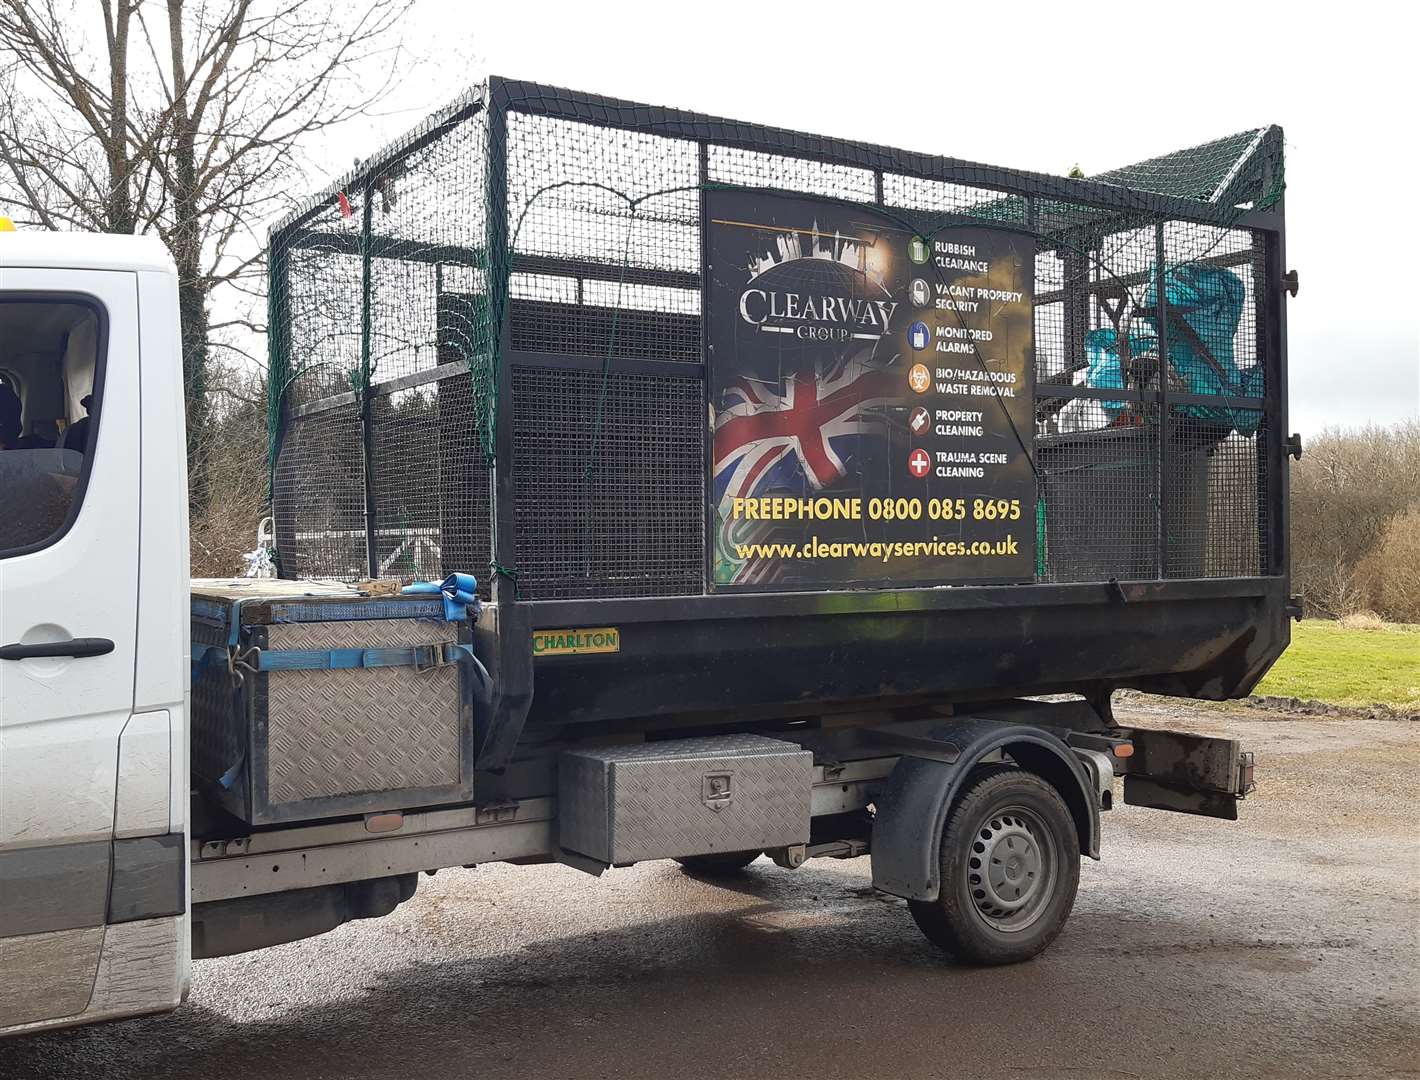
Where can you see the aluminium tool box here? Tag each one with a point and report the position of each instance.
(626, 803)
(314, 700)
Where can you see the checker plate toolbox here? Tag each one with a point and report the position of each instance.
(504, 346)
(272, 744)
(656, 800)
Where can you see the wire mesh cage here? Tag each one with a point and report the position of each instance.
(489, 346)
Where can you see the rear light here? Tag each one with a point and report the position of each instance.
(1246, 768)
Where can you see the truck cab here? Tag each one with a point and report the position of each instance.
(93, 730)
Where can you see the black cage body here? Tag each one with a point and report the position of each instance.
(488, 355)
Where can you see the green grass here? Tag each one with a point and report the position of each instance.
(1328, 662)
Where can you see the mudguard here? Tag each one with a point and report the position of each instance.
(907, 828)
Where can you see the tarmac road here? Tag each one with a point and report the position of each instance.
(1283, 945)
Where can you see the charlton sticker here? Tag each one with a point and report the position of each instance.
(919, 464)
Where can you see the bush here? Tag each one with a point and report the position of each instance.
(1362, 620)
(1346, 492)
(1389, 577)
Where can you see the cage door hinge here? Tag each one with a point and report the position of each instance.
(1289, 282)
(1293, 446)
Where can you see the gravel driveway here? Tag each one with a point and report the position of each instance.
(1283, 945)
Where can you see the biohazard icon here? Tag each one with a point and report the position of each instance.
(919, 378)
(919, 464)
(919, 420)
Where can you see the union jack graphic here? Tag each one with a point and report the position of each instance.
(795, 436)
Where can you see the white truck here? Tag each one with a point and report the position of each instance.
(143, 825)
(93, 631)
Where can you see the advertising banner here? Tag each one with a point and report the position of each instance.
(871, 394)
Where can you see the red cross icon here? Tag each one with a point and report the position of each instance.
(918, 463)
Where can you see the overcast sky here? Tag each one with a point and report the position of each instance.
(1039, 87)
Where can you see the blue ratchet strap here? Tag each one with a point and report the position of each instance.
(460, 592)
(234, 633)
(205, 656)
(419, 657)
(229, 778)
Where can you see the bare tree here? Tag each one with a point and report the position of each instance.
(1355, 495)
(184, 118)
(233, 438)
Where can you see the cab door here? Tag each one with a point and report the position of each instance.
(90, 911)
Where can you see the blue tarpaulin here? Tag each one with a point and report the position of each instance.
(1102, 350)
(1204, 304)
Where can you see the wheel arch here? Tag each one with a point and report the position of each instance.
(1060, 766)
(905, 855)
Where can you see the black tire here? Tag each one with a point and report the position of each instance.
(1010, 869)
(718, 864)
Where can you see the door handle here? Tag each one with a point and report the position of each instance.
(79, 646)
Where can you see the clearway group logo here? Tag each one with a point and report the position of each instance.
(782, 298)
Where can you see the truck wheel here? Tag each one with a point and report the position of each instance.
(1010, 869)
(718, 864)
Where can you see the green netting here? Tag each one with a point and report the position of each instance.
(1225, 171)
(540, 252)
(384, 309)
